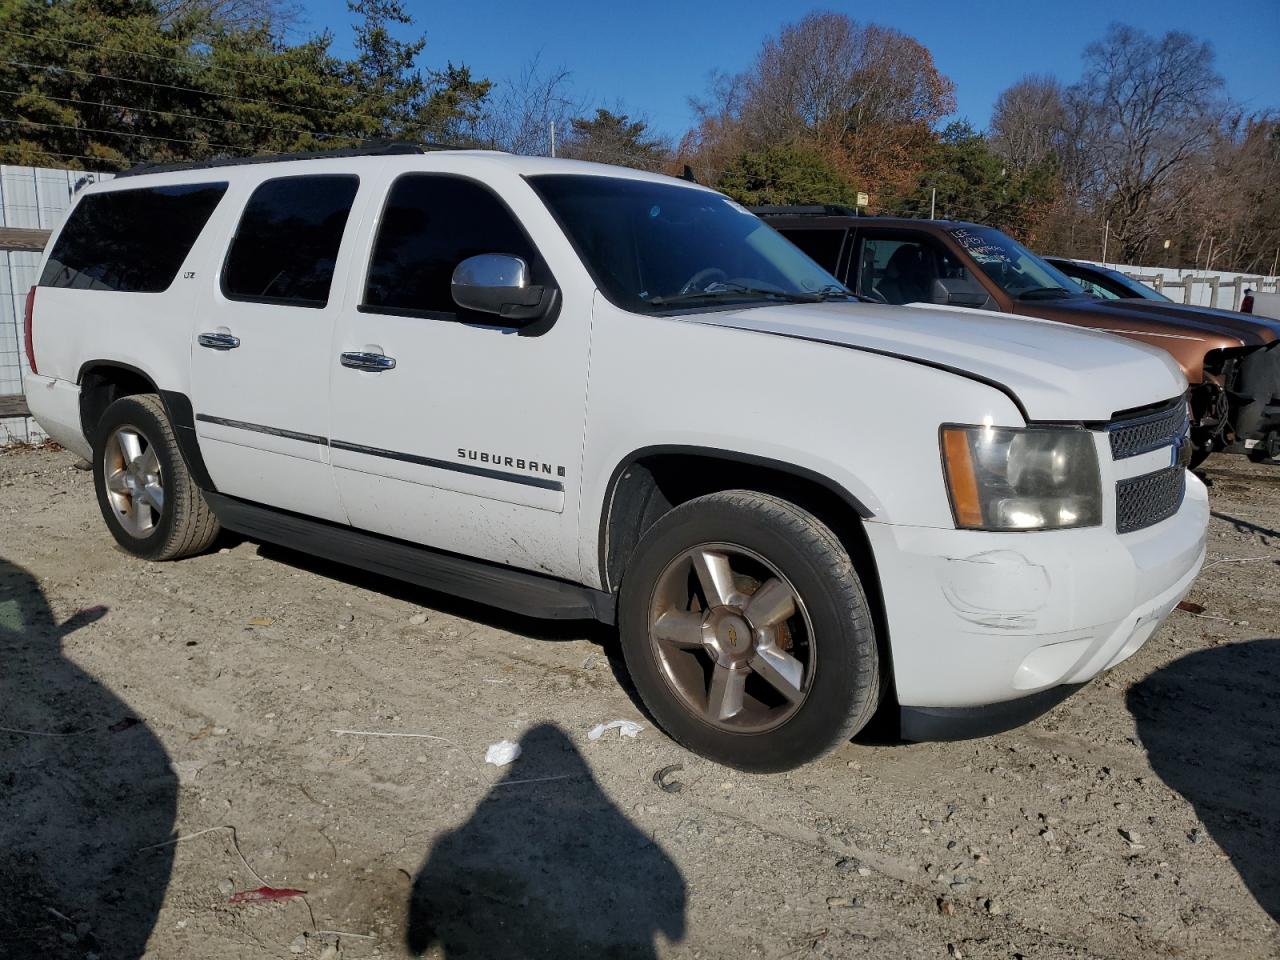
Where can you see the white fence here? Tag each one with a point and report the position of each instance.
(1203, 288)
(32, 197)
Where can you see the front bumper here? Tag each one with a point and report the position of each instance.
(977, 618)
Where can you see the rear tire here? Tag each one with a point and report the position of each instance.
(747, 633)
(150, 503)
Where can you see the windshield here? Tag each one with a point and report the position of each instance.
(1014, 268)
(652, 246)
(1135, 286)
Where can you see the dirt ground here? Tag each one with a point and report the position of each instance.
(1141, 818)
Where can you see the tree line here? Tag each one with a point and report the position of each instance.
(1144, 152)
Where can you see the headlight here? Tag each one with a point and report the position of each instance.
(1039, 478)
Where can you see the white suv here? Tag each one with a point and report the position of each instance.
(574, 390)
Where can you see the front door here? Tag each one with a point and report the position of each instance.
(260, 361)
(450, 429)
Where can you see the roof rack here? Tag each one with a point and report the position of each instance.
(806, 209)
(373, 148)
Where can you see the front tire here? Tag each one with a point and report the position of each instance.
(747, 633)
(150, 503)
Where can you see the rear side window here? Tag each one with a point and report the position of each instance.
(286, 245)
(822, 246)
(130, 241)
(432, 223)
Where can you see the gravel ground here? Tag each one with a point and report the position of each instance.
(1138, 819)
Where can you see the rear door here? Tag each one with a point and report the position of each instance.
(260, 358)
(467, 435)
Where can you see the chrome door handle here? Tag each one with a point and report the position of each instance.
(218, 341)
(371, 362)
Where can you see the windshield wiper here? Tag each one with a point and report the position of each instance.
(840, 293)
(1045, 293)
(735, 292)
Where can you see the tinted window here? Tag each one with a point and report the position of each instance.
(286, 246)
(654, 246)
(133, 241)
(823, 246)
(432, 223)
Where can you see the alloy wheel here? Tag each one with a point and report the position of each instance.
(732, 638)
(134, 480)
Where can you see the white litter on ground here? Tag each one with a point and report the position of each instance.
(502, 753)
(625, 728)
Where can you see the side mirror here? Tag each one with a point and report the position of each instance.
(958, 292)
(498, 283)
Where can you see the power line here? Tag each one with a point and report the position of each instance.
(185, 116)
(121, 133)
(78, 156)
(171, 86)
(130, 53)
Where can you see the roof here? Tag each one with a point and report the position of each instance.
(404, 156)
(832, 215)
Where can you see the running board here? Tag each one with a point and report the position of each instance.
(507, 588)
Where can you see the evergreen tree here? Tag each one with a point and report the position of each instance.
(791, 174)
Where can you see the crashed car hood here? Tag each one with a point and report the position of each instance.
(1056, 371)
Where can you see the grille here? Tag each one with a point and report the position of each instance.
(1160, 429)
(1146, 500)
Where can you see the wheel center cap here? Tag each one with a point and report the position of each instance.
(733, 635)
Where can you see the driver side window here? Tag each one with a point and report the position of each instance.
(904, 268)
(897, 270)
(430, 224)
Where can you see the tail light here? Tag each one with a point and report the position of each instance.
(26, 328)
(1246, 305)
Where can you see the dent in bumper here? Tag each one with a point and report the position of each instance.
(55, 405)
(980, 618)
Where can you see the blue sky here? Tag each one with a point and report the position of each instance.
(650, 57)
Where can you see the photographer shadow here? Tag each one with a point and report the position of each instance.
(1210, 723)
(83, 786)
(548, 869)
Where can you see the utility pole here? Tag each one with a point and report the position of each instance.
(1106, 235)
(553, 138)
(1275, 264)
(933, 204)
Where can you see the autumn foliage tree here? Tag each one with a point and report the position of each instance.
(863, 97)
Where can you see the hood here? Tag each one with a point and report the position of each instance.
(1252, 330)
(1148, 318)
(1189, 334)
(1055, 371)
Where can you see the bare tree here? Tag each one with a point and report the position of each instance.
(277, 15)
(1029, 121)
(1147, 107)
(829, 76)
(522, 110)
(719, 134)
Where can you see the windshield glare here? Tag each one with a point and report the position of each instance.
(1014, 268)
(646, 243)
